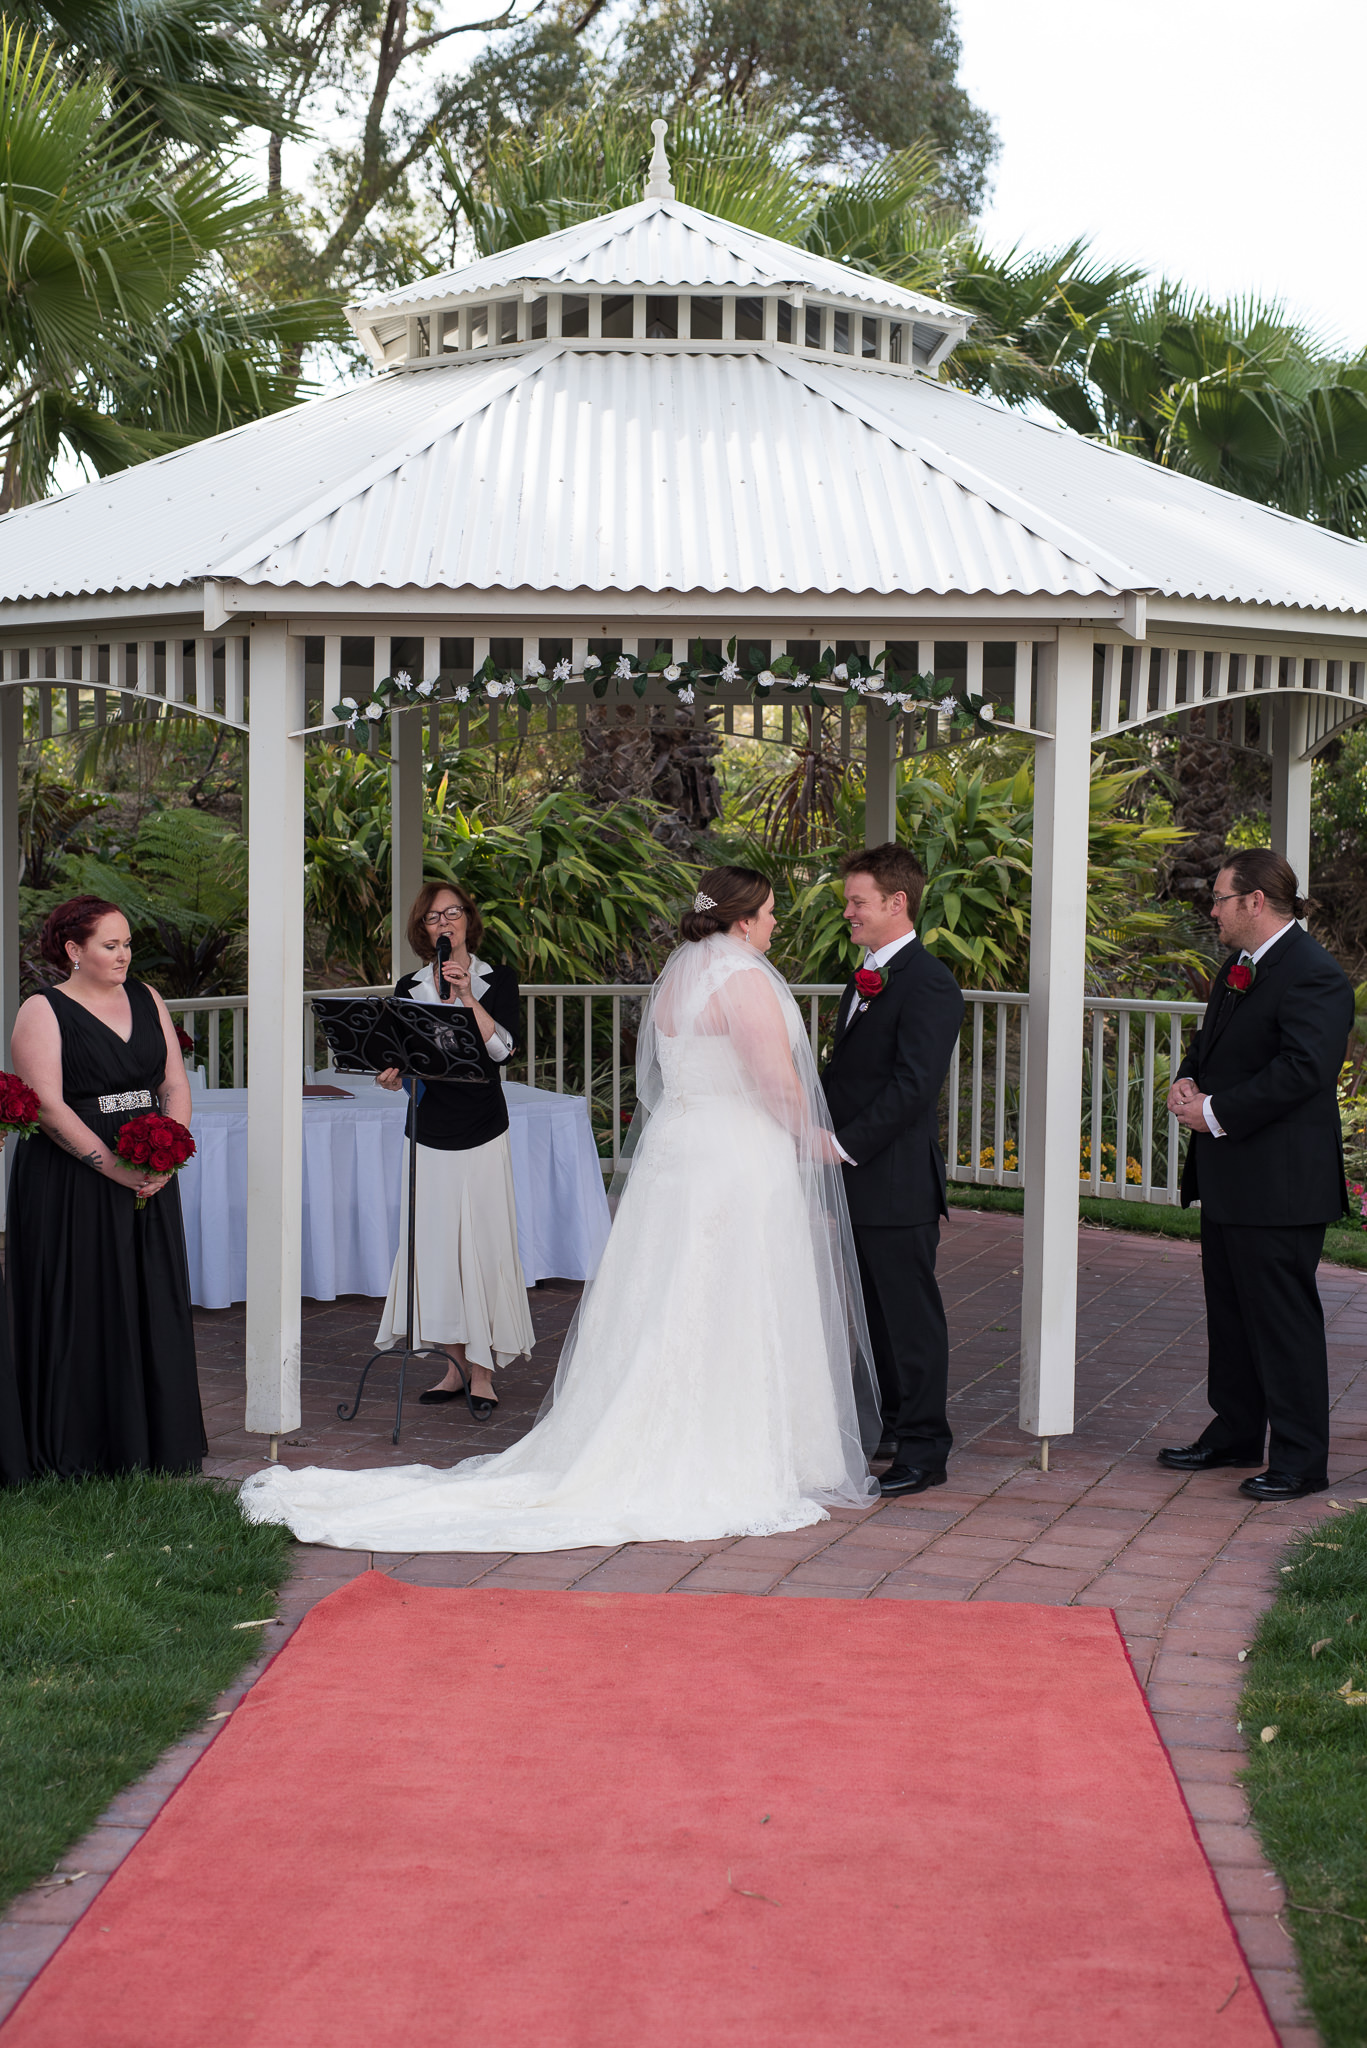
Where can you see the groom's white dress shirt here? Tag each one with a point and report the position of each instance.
(1212, 1125)
(878, 959)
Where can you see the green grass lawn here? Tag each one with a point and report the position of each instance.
(117, 1604)
(1344, 1245)
(1307, 1782)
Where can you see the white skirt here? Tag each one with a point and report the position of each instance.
(468, 1282)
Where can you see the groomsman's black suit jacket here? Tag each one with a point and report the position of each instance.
(1269, 1057)
(883, 1082)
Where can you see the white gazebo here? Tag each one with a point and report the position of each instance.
(658, 427)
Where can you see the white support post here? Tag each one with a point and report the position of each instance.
(11, 742)
(234, 679)
(880, 776)
(1058, 926)
(1292, 780)
(275, 979)
(405, 834)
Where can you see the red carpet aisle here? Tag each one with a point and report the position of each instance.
(710, 1823)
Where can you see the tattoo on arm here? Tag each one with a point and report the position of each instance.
(93, 1159)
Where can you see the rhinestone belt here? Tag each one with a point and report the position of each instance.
(134, 1098)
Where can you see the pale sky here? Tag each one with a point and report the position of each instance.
(1219, 140)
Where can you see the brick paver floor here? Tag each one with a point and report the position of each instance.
(1186, 1563)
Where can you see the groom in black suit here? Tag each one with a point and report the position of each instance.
(897, 1027)
(1257, 1092)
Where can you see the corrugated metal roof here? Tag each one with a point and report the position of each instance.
(1178, 535)
(661, 245)
(631, 469)
(635, 471)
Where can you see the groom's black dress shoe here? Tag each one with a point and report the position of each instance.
(1196, 1458)
(1281, 1486)
(887, 1448)
(911, 1478)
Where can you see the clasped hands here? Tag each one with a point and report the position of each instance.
(1188, 1104)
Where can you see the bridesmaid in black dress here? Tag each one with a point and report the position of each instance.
(100, 1291)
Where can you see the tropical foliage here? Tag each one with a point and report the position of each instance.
(974, 836)
(569, 890)
(120, 334)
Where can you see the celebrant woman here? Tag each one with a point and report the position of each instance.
(99, 1287)
(469, 1294)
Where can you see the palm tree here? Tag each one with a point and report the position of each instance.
(188, 72)
(120, 331)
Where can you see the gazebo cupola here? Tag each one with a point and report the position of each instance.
(657, 273)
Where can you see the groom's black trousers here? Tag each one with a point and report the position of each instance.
(1268, 1362)
(910, 1336)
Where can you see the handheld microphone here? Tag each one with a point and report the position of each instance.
(443, 955)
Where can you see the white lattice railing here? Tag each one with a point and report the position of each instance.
(580, 1039)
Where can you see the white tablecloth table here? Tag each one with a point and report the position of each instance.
(353, 1165)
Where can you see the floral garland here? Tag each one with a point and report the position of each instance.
(829, 683)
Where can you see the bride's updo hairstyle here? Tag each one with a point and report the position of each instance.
(734, 893)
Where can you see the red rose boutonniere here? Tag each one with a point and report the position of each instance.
(1240, 976)
(869, 983)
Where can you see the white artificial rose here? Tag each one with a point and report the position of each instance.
(841, 672)
(374, 709)
(671, 674)
(766, 679)
(350, 704)
(426, 689)
(533, 667)
(987, 713)
(591, 661)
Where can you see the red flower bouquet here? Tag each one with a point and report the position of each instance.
(184, 1040)
(1240, 976)
(869, 982)
(158, 1144)
(19, 1108)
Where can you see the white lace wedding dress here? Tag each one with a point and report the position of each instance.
(707, 1386)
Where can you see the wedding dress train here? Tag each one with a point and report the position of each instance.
(707, 1386)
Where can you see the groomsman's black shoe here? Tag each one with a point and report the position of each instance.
(1196, 1458)
(1281, 1486)
(911, 1478)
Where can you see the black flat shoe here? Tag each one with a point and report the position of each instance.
(1196, 1458)
(435, 1397)
(1280, 1486)
(482, 1406)
(910, 1478)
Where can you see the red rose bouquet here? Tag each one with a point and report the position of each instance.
(158, 1144)
(19, 1108)
(184, 1040)
(869, 982)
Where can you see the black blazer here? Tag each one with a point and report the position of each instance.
(883, 1082)
(455, 1116)
(1269, 1059)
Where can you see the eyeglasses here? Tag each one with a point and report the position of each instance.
(1229, 896)
(445, 916)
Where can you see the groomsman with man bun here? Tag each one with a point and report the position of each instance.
(1257, 1091)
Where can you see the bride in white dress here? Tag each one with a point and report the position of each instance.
(714, 1377)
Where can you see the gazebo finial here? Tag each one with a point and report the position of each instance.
(659, 184)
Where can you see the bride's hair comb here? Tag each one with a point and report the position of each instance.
(701, 902)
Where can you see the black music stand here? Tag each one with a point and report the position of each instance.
(425, 1042)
